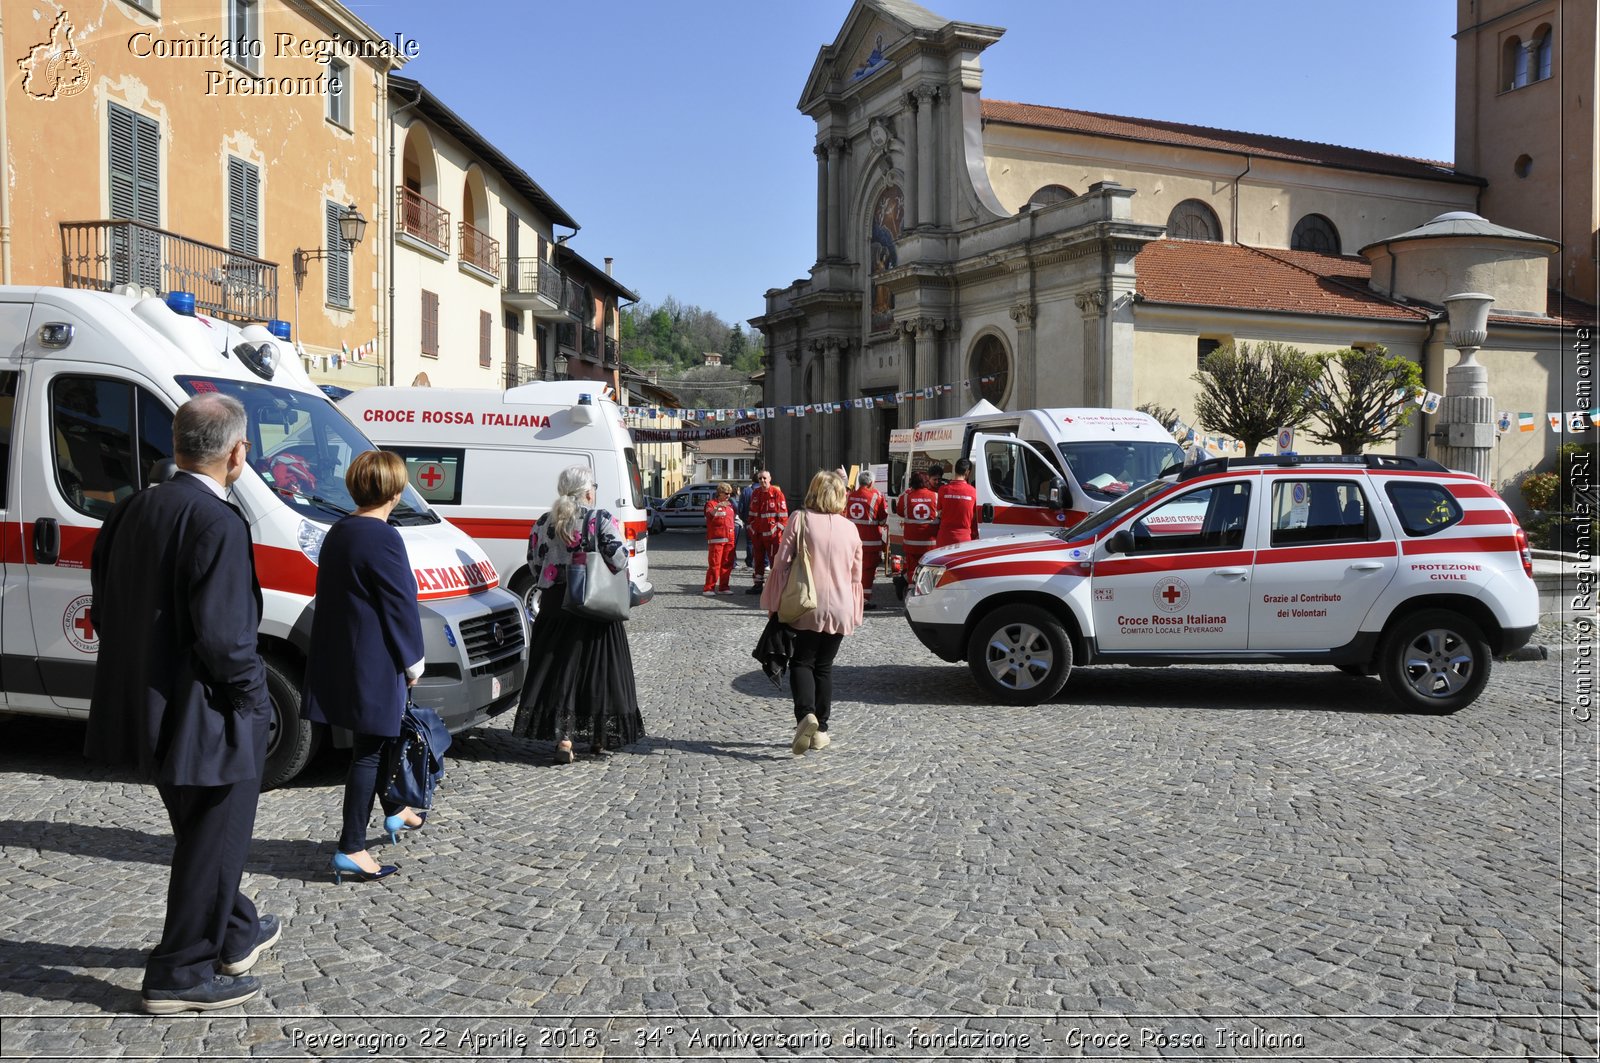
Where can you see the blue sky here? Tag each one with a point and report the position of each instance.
(668, 128)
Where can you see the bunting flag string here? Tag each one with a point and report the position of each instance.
(763, 413)
(346, 353)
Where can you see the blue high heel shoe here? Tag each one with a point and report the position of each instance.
(393, 825)
(343, 865)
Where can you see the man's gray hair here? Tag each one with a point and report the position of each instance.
(207, 427)
(865, 479)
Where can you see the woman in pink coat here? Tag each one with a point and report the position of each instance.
(834, 547)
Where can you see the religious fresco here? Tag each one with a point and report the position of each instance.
(888, 219)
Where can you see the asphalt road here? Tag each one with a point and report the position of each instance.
(1206, 863)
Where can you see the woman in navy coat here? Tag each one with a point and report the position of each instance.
(366, 649)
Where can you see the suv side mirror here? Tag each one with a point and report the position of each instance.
(1121, 543)
(1055, 493)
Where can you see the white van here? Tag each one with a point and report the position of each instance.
(89, 382)
(488, 461)
(1098, 455)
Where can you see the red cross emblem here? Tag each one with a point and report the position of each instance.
(85, 625)
(1171, 594)
(77, 625)
(430, 476)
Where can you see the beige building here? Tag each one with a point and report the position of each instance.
(1041, 256)
(200, 146)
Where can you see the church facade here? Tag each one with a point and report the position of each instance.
(1039, 256)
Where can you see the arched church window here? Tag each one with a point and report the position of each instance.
(1513, 63)
(1315, 233)
(1543, 53)
(1193, 220)
(991, 369)
(888, 219)
(1051, 194)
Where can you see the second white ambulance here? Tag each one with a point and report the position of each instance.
(488, 461)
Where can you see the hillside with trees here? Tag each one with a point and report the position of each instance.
(674, 337)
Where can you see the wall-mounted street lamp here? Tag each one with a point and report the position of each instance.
(560, 366)
(352, 227)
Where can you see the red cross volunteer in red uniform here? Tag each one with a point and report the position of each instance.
(868, 510)
(958, 508)
(920, 508)
(769, 512)
(719, 541)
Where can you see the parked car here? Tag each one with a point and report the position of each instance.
(686, 508)
(1372, 564)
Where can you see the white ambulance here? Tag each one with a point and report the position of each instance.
(1091, 457)
(89, 382)
(488, 461)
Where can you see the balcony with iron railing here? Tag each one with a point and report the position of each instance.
(103, 255)
(423, 223)
(480, 252)
(611, 352)
(591, 344)
(534, 285)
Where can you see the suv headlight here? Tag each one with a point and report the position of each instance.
(926, 579)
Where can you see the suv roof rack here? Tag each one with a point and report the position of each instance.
(1368, 461)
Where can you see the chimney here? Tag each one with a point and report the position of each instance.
(608, 265)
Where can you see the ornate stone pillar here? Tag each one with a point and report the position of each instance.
(1468, 426)
(927, 168)
(1095, 387)
(838, 148)
(823, 203)
(913, 161)
(784, 462)
(832, 391)
(1025, 359)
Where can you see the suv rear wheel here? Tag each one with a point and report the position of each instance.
(1434, 661)
(1020, 655)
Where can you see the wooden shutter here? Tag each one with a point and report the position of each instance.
(430, 324)
(338, 256)
(485, 331)
(135, 153)
(244, 208)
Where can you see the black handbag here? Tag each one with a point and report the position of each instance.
(593, 590)
(416, 757)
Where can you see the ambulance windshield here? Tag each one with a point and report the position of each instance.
(1109, 469)
(300, 447)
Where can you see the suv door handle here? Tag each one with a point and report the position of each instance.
(46, 541)
(1234, 573)
(1367, 566)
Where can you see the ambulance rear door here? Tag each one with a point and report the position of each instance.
(1013, 480)
(95, 433)
(16, 627)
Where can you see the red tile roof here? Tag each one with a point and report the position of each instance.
(1228, 276)
(1204, 137)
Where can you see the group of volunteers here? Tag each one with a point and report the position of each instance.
(936, 512)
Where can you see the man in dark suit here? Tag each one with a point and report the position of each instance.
(180, 694)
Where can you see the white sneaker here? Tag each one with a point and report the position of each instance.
(730, 590)
(803, 732)
(707, 594)
(820, 740)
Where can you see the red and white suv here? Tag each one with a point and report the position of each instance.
(1373, 564)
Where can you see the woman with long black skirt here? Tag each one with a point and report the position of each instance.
(579, 690)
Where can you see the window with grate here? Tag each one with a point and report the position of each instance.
(244, 208)
(1051, 194)
(485, 330)
(1315, 233)
(1193, 220)
(991, 368)
(338, 255)
(339, 90)
(430, 324)
(1202, 348)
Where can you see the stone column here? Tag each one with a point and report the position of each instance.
(832, 436)
(837, 149)
(927, 167)
(786, 461)
(1025, 359)
(823, 203)
(913, 161)
(1468, 408)
(1094, 388)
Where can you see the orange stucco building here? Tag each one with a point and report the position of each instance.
(198, 145)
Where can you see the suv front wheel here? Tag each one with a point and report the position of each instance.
(1020, 655)
(1435, 661)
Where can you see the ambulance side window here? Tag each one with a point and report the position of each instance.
(155, 433)
(92, 425)
(8, 403)
(1423, 508)
(436, 472)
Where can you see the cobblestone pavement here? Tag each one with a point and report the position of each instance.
(1211, 863)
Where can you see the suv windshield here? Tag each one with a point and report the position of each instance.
(300, 446)
(1107, 470)
(1097, 522)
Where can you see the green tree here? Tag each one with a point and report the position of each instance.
(1362, 398)
(1166, 415)
(1249, 392)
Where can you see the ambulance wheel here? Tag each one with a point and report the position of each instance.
(526, 588)
(291, 739)
(1020, 655)
(1434, 661)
